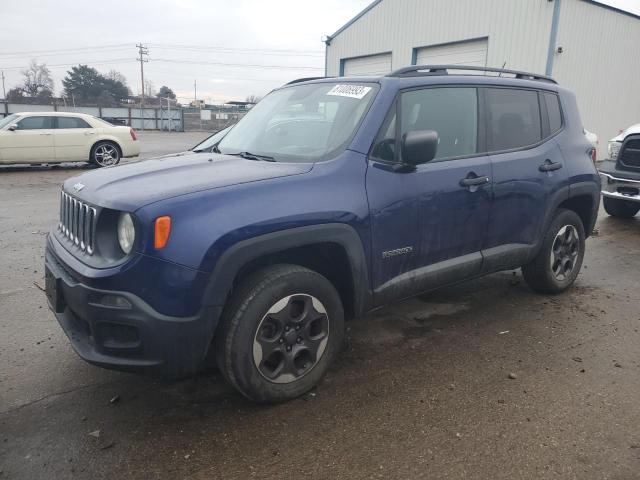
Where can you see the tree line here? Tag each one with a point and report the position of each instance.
(82, 85)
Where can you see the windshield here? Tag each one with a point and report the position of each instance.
(209, 142)
(7, 120)
(303, 123)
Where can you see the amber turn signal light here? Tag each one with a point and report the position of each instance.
(162, 232)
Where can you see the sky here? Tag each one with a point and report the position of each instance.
(230, 49)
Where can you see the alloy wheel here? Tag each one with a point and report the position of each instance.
(564, 252)
(291, 338)
(106, 155)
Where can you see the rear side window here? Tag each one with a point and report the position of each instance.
(513, 118)
(553, 110)
(35, 123)
(72, 122)
(451, 112)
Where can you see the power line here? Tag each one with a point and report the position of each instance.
(65, 50)
(255, 51)
(102, 62)
(247, 65)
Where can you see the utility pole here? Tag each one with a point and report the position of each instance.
(142, 52)
(195, 90)
(4, 92)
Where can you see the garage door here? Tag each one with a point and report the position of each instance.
(370, 65)
(472, 53)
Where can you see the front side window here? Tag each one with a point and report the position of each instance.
(452, 112)
(301, 123)
(35, 123)
(513, 118)
(72, 122)
(8, 120)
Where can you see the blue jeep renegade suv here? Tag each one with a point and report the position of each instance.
(330, 198)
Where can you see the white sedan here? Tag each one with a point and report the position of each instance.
(55, 137)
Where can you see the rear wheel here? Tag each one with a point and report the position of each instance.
(620, 208)
(558, 262)
(279, 333)
(105, 154)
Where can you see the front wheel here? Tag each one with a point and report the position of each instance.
(620, 208)
(558, 262)
(105, 154)
(279, 333)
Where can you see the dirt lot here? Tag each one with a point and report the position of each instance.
(421, 390)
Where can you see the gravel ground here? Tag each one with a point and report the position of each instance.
(422, 389)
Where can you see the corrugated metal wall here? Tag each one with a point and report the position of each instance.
(518, 30)
(600, 62)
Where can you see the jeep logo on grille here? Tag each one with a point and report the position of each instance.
(78, 186)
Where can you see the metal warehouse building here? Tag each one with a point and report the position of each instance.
(586, 46)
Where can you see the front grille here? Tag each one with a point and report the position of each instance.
(630, 154)
(77, 222)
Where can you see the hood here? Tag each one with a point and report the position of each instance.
(633, 129)
(133, 185)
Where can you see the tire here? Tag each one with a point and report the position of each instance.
(105, 154)
(279, 333)
(557, 264)
(620, 208)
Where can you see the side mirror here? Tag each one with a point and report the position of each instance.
(419, 147)
(13, 127)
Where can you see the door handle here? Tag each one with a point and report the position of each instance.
(549, 166)
(47, 134)
(474, 181)
(89, 133)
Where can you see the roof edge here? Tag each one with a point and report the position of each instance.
(376, 2)
(353, 20)
(612, 8)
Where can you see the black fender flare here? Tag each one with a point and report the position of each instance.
(591, 189)
(245, 251)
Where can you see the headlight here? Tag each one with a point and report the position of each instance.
(126, 232)
(614, 148)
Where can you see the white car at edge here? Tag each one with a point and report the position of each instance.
(55, 137)
(616, 142)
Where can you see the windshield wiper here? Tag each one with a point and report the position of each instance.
(253, 156)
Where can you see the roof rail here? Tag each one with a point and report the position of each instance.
(424, 70)
(306, 79)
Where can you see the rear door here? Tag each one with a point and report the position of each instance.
(428, 223)
(73, 138)
(31, 142)
(528, 172)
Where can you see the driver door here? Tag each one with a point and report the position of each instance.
(31, 142)
(429, 221)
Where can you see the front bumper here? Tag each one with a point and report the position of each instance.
(620, 188)
(120, 331)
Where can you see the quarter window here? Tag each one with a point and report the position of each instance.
(35, 123)
(451, 112)
(385, 145)
(553, 110)
(72, 122)
(513, 118)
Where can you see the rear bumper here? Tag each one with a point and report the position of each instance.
(131, 149)
(620, 188)
(120, 331)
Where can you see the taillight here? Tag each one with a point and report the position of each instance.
(594, 155)
(133, 134)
